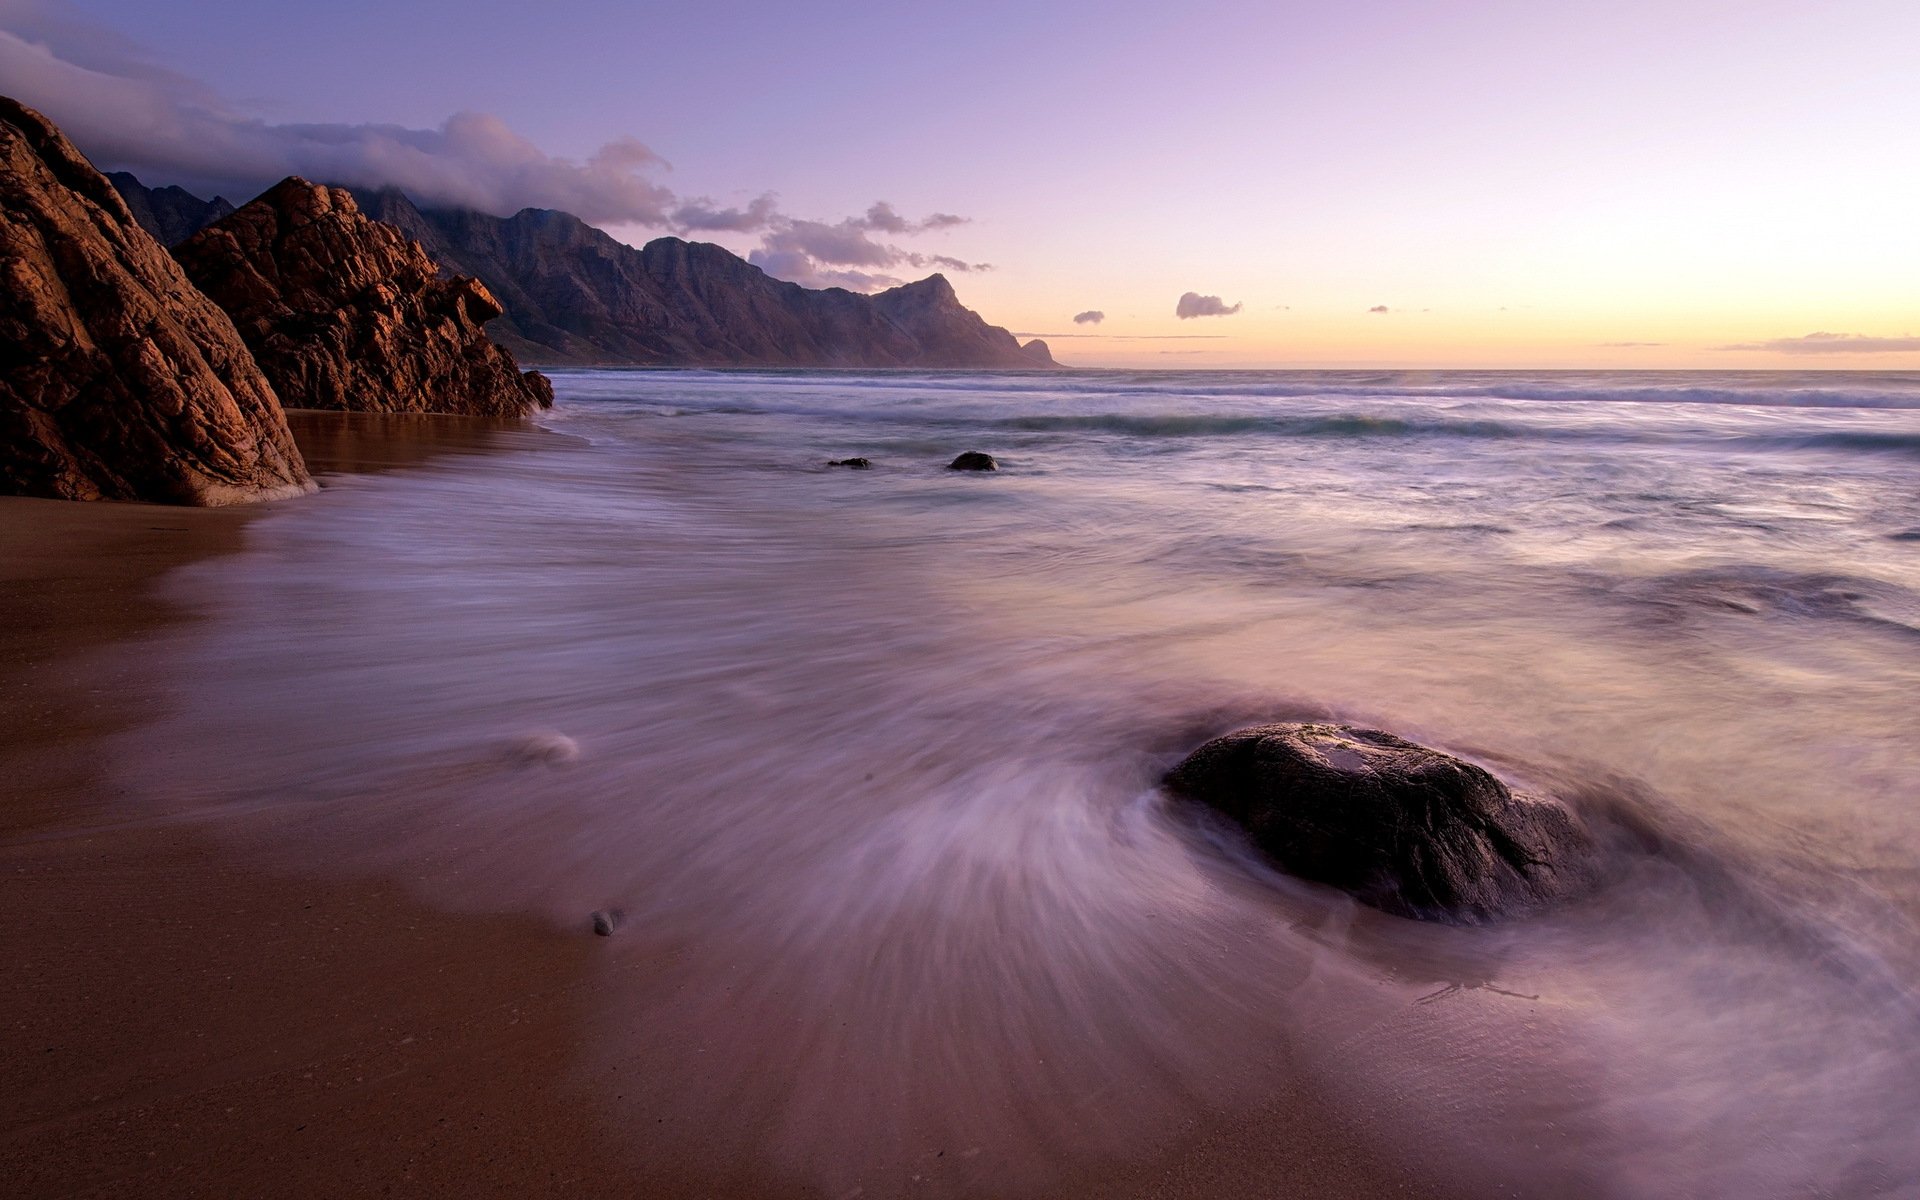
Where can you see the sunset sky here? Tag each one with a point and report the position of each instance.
(1675, 184)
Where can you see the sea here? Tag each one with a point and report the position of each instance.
(865, 763)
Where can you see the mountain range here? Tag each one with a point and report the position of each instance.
(575, 295)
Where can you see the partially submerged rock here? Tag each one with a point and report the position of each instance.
(1406, 829)
(858, 464)
(118, 380)
(973, 460)
(346, 313)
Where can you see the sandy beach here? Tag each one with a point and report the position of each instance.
(307, 806)
(194, 1009)
(183, 1021)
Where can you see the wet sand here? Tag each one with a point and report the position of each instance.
(192, 1009)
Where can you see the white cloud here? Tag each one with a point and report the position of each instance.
(128, 113)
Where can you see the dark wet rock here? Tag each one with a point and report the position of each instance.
(606, 920)
(118, 379)
(973, 460)
(171, 214)
(1404, 828)
(345, 313)
(858, 464)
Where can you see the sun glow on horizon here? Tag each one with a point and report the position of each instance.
(1436, 182)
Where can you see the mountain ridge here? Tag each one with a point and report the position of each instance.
(575, 295)
(170, 214)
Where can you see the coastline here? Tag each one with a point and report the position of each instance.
(196, 1009)
(184, 1020)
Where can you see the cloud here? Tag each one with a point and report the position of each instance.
(882, 219)
(796, 266)
(701, 215)
(1379, 308)
(845, 253)
(1193, 304)
(1834, 343)
(126, 112)
(1134, 337)
(1092, 316)
(167, 127)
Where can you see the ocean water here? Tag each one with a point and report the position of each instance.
(867, 760)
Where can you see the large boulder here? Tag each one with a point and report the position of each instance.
(118, 380)
(1401, 827)
(346, 313)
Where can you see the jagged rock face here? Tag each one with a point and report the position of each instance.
(574, 294)
(1405, 828)
(949, 333)
(171, 214)
(346, 313)
(118, 380)
(1039, 353)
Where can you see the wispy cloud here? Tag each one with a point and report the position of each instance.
(1629, 345)
(1379, 308)
(846, 254)
(1092, 316)
(1833, 343)
(701, 214)
(1132, 337)
(1193, 304)
(126, 111)
(883, 219)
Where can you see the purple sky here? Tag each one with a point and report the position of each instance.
(1573, 184)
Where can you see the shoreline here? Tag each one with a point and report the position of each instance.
(183, 1021)
(197, 1009)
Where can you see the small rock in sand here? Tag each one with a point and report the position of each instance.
(606, 920)
(553, 749)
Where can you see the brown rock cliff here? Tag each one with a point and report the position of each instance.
(118, 380)
(343, 312)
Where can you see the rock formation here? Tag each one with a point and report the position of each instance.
(973, 460)
(1401, 827)
(171, 214)
(949, 333)
(573, 294)
(346, 313)
(118, 380)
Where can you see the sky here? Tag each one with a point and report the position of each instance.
(1376, 183)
